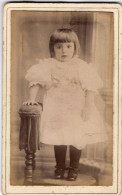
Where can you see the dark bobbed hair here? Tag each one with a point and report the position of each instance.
(62, 36)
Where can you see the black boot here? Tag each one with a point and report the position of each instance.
(59, 173)
(72, 174)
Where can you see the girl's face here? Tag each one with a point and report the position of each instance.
(64, 51)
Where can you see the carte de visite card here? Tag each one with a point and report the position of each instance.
(62, 98)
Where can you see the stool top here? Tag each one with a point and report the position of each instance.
(30, 110)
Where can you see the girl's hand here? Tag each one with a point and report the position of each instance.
(30, 102)
(86, 112)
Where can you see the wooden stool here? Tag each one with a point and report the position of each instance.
(29, 135)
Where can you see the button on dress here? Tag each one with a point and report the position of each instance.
(65, 84)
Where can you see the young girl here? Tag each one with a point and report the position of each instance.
(69, 115)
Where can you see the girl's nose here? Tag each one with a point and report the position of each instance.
(64, 48)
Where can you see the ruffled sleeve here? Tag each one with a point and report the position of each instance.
(89, 78)
(39, 74)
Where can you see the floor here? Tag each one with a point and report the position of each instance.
(44, 175)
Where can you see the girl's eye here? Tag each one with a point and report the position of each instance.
(68, 46)
(58, 46)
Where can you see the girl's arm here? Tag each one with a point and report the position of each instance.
(33, 91)
(88, 102)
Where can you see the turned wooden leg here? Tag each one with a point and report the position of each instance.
(34, 162)
(29, 164)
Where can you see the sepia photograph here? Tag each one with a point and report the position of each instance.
(62, 98)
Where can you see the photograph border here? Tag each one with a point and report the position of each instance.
(117, 11)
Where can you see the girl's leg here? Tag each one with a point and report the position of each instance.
(75, 155)
(60, 155)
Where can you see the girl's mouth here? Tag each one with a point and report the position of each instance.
(64, 56)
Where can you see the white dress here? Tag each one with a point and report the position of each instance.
(61, 120)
